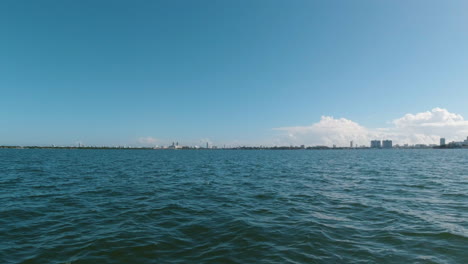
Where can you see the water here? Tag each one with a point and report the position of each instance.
(226, 206)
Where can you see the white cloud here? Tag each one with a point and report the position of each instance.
(327, 131)
(437, 118)
(147, 140)
(202, 142)
(421, 128)
(428, 127)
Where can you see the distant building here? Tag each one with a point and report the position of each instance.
(174, 146)
(454, 144)
(351, 144)
(459, 144)
(442, 142)
(387, 144)
(375, 144)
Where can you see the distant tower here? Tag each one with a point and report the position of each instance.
(351, 144)
(376, 144)
(387, 144)
(442, 142)
(206, 144)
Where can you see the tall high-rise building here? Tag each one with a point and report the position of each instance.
(375, 144)
(351, 144)
(387, 144)
(442, 142)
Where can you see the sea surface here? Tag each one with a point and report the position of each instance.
(233, 206)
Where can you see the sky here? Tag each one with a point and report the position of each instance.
(256, 72)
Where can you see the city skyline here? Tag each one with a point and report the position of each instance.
(425, 128)
(374, 144)
(235, 73)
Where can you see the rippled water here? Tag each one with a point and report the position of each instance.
(226, 206)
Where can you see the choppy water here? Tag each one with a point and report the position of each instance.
(145, 206)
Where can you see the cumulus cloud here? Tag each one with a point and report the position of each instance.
(147, 140)
(433, 120)
(421, 128)
(428, 127)
(327, 131)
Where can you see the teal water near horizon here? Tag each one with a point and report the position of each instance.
(233, 206)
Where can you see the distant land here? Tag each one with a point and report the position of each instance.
(302, 147)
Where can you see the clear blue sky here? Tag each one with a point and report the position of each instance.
(109, 72)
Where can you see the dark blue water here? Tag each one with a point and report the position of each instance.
(149, 206)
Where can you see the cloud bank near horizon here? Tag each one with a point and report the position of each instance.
(147, 141)
(420, 128)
